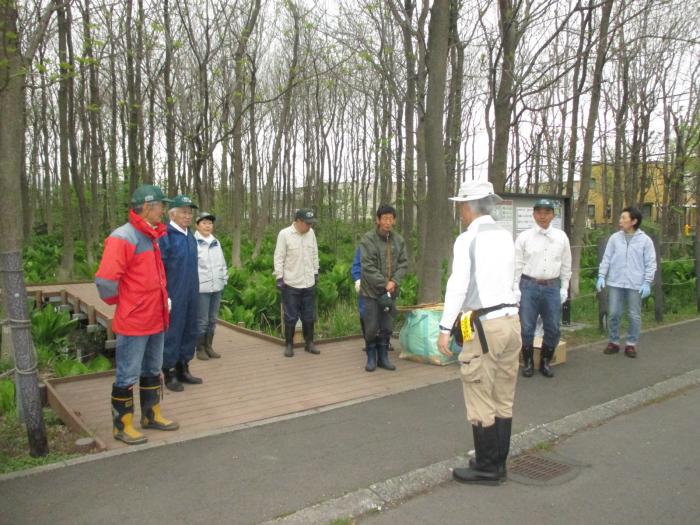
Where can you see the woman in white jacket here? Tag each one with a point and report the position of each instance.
(213, 275)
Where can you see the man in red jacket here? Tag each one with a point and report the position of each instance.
(131, 276)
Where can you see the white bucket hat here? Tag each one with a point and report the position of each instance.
(472, 190)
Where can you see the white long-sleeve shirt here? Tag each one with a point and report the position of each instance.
(543, 254)
(296, 257)
(482, 269)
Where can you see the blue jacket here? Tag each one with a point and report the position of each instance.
(356, 271)
(628, 265)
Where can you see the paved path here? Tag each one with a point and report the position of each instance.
(257, 474)
(640, 468)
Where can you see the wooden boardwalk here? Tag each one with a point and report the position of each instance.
(252, 382)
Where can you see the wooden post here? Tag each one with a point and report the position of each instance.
(603, 294)
(658, 283)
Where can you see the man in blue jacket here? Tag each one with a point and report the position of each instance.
(628, 269)
(179, 252)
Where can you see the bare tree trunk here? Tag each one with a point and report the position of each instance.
(171, 158)
(436, 245)
(13, 70)
(579, 227)
(508, 25)
(580, 69)
(237, 136)
(65, 272)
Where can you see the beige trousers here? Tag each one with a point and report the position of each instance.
(489, 379)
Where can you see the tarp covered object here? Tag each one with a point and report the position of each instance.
(419, 338)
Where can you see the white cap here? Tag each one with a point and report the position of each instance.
(472, 190)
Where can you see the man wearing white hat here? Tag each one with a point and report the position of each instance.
(481, 283)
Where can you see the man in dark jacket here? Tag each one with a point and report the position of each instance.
(131, 276)
(384, 265)
(179, 251)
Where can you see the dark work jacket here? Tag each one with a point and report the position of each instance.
(377, 264)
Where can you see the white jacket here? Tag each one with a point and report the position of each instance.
(211, 264)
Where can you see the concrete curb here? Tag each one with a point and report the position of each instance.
(394, 490)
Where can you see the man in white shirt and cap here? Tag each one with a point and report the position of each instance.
(481, 283)
(542, 274)
(296, 270)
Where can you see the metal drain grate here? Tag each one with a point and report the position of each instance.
(538, 468)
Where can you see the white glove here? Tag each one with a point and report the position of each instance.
(517, 295)
(357, 286)
(170, 305)
(563, 295)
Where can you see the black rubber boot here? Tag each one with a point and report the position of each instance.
(546, 354)
(528, 361)
(123, 416)
(209, 349)
(150, 394)
(182, 369)
(485, 470)
(503, 429)
(202, 348)
(289, 340)
(309, 346)
(371, 365)
(383, 356)
(170, 380)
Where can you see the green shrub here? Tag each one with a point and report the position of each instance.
(8, 403)
(50, 327)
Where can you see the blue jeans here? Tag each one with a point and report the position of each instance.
(543, 301)
(616, 301)
(208, 312)
(138, 355)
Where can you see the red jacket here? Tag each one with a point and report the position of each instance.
(131, 275)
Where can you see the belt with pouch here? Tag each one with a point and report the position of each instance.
(474, 322)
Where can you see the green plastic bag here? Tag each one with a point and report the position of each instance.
(419, 337)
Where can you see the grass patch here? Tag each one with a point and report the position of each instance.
(343, 521)
(14, 446)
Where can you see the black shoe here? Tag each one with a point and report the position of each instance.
(546, 354)
(308, 330)
(371, 365)
(528, 361)
(289, 340)
(383, 357)
(182, 369)
(612, 348)
(170, 380)
(484, 468)
(311, 348)
(478, 477)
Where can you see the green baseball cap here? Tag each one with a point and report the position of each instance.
(148, 193)
(545, 203)
(306, 215)
(182, 201)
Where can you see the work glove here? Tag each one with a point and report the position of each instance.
(280, 284)
(170, 305)
(357, 286)
(600, 283)
(645, 290)
(563, 295)
(517, 295)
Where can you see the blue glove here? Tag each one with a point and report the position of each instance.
(645, 290)
(600, 283)
(280, 283)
